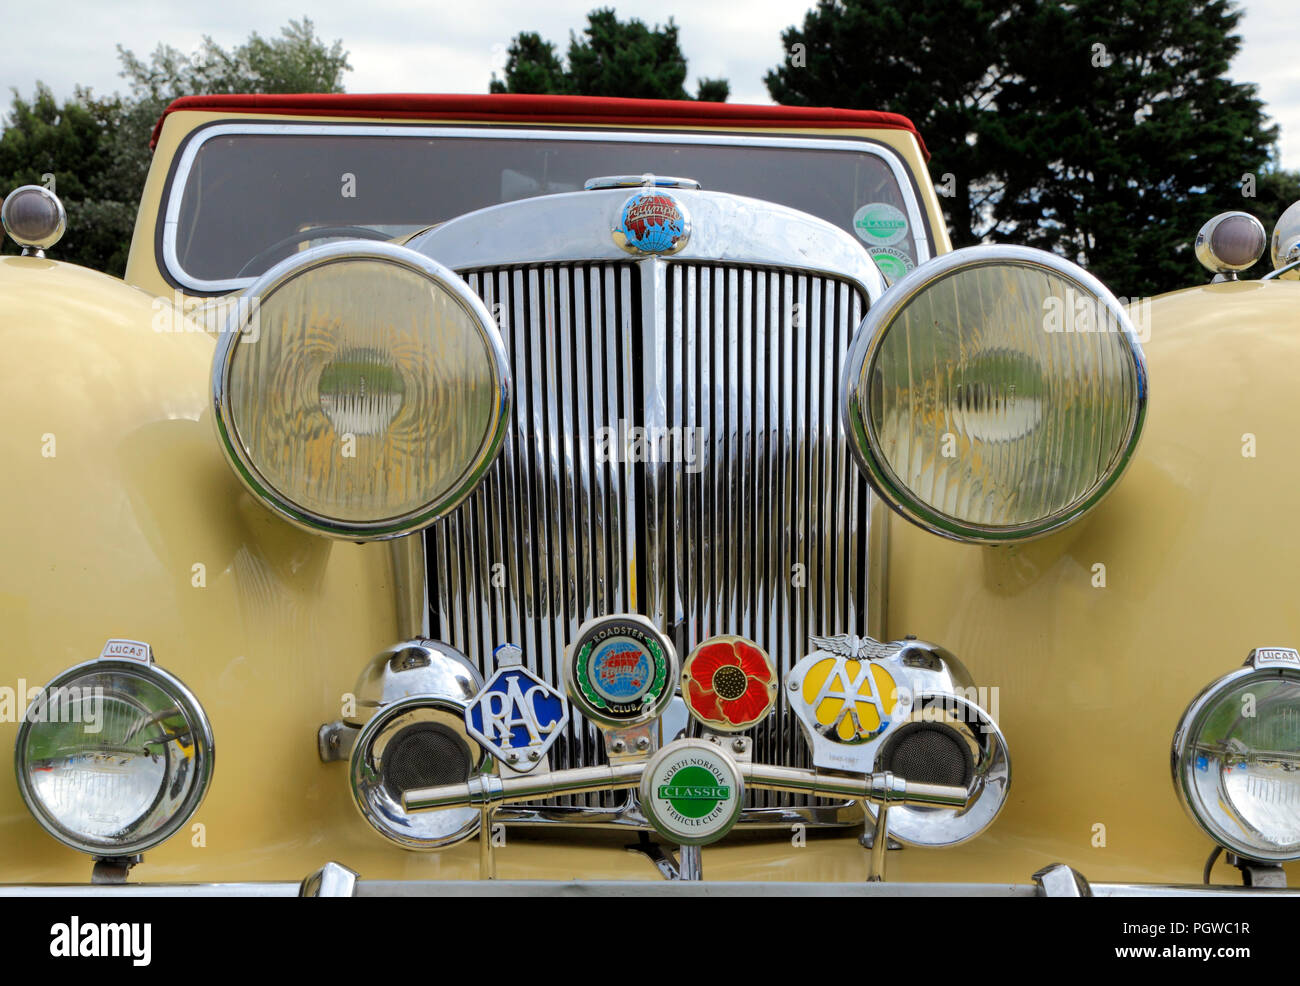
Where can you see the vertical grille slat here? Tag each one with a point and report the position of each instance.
(755, 523)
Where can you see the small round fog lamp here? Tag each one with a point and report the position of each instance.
(1284, 244)
(113, 756)
(1236, 758)
(1230, 242)
(416, 738)
(34, 218)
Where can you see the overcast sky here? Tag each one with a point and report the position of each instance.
(418, 46)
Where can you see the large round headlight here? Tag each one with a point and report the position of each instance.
(115, 755)
(1236, 758)
(995, 394)
(361, 390)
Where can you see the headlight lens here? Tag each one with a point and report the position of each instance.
(114, 756)
(995, 394)
(1236, 762)
(362, 390)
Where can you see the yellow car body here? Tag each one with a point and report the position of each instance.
(123, 520)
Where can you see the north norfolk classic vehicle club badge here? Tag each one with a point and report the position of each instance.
(692, 792)
(652, 223)
(516, 716)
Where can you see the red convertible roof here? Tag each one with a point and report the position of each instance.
(544, 109)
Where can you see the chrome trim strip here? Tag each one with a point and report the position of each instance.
(410, 586)
(575, 226)
(150, 890)
(171, 211)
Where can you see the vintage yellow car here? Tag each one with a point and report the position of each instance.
(522, 494)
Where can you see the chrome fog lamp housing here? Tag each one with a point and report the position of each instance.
(1229, 243)
(34, 218)
(995, 394)
(361, 390)
(415, 695)
(908, 708)
(114, 755)
(1236, 757)
(1284, 244)
(949, 736)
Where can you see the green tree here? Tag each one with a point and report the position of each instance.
(612, 58)
(98, 148)
(1105, 131)
(69, 148)
(296, 61)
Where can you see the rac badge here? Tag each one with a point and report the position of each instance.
(652, 223)
(621, 671)
(516, 716)
(692, 792)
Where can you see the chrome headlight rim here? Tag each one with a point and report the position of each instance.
(865, 349)
(1189, 727)
(363, 787)
(942, 828)
(204, 755)
(228, 433)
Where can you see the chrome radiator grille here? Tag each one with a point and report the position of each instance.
(760, 531)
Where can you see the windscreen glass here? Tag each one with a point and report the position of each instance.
(248, 200)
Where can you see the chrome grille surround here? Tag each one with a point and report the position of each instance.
(742, 336)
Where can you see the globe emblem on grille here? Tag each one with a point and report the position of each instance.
(652, 222)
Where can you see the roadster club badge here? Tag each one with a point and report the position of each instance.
(621, 671)
(652, 223)
(516, 716)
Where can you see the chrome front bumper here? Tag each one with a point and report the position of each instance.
(334, 880)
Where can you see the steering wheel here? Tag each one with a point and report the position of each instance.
(260, 261)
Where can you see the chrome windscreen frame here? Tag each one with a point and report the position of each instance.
(170, 260)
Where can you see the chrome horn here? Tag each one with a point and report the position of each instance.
(408, 730)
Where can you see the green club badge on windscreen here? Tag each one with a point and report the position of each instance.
(880, 224)
(893, 263)
(692, 791)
